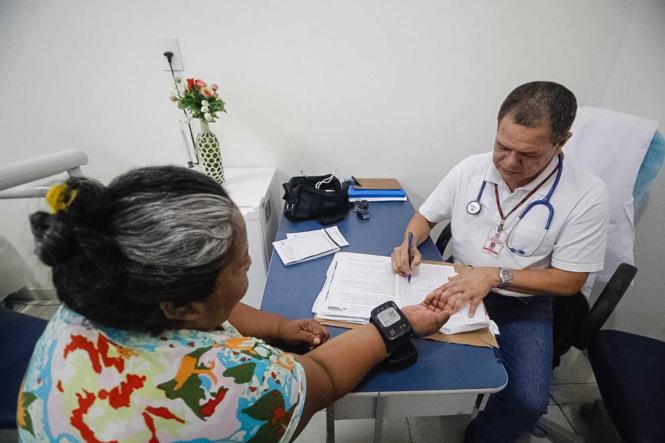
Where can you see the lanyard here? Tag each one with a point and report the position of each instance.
(528, 196)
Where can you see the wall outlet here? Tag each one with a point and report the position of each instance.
(170, 44)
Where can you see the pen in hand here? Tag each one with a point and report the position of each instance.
(410, 255)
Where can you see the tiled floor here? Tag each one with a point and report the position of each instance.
(573, 385)
(451, 429)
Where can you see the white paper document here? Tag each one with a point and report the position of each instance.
(333, 233)
(304, 246)
(357, 283)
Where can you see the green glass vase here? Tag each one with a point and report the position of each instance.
(211, 157)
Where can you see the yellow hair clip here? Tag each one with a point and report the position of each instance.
(59, 197)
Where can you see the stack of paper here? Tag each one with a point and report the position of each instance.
(300, 247)
(357, 283)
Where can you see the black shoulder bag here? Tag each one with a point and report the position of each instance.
(304, 201)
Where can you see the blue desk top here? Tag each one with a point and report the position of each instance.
(291, 291)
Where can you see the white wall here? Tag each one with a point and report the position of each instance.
(637, 86)
(384, 88)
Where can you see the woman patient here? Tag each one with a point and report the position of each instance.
(152, 342)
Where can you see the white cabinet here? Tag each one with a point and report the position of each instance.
(256, 193)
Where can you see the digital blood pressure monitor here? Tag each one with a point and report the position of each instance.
(396, 332)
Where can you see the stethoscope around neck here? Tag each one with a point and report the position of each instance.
(474, 207)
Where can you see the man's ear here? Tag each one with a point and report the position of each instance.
(182, 311)
(563, 140)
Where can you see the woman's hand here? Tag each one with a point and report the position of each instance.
(470, 285)
(304, 331)
(428, 316)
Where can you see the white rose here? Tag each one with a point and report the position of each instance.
(204, 102)
(207, 116)
(205, 108)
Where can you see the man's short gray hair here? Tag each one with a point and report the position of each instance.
(540, 102)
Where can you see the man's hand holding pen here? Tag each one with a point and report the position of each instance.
(406, 257)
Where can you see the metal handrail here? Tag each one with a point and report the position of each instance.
(28, 171)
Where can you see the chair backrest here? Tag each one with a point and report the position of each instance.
(604, 306)
(19, 334)
(612, 146)
(443, 239)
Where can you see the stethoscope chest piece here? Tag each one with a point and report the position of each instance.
(473, 207)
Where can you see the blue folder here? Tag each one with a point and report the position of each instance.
(353, 192)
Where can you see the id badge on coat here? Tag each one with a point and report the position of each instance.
(495, 242)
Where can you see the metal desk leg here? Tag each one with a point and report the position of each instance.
(481, 402)
(378, 418)
(330, 424)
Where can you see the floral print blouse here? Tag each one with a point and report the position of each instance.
(88, 383)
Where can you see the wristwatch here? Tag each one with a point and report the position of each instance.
(396, 332)
(506, 276)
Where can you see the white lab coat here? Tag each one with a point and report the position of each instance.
(612, 145)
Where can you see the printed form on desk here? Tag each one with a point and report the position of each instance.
(357, 283)
(332, 232)
(300, 247)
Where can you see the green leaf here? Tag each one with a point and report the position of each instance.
(190, 392)
(263, 408)
(190, 100)
(24, 420)
(242, 373)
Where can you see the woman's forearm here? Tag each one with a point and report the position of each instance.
(336, 367)
(347, 358)
(251, 322)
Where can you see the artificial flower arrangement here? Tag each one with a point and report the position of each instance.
(199, 100)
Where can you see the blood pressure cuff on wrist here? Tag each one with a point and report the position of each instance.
(304, 201)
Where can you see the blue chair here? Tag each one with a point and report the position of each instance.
(19, 334)
(630, 371)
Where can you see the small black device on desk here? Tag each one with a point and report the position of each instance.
(361, 208)
(396, 332)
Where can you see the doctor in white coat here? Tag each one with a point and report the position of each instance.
(529, 226)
